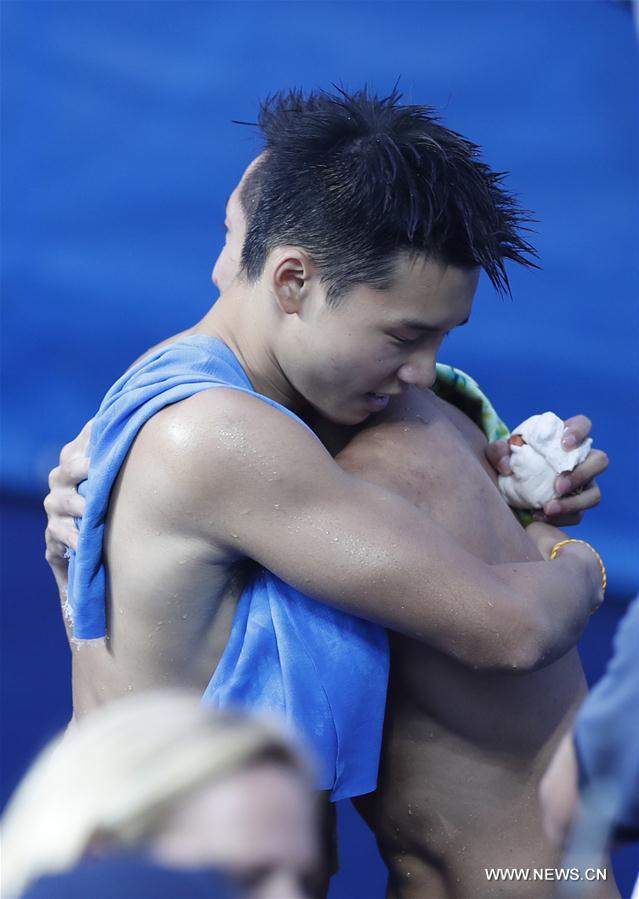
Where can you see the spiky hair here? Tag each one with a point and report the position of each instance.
(356, 178)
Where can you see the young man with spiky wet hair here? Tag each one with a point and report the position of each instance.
(354, 245)
(356, 179)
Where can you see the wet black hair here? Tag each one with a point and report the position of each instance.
(356, 178)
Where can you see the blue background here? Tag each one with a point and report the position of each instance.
(119, 153)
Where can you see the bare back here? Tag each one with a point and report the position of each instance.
(464, 750)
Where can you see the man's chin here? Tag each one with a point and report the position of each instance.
(345, 418)
(340, 415)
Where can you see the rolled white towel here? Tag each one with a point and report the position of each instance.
(536, 460)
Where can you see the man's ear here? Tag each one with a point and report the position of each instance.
(292, 272)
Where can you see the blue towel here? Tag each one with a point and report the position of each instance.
(323, 671)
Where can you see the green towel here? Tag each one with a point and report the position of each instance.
(456, 387)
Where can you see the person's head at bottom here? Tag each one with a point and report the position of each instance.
(162, 775)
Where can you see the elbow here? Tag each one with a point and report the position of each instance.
(533, 643)
(524, 646)
(528, 654)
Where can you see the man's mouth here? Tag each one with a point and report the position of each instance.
(377, 401)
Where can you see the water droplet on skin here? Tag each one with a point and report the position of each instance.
(276, 506)
(160, 623)
(184, 617)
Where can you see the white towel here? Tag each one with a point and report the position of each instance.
(537, 463)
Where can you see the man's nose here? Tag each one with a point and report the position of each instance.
(418, 371)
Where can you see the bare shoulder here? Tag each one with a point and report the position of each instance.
(216, 443)
(227, 422)
(411, 441)
(469, 430)
(390, 442)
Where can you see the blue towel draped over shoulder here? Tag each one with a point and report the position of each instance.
(323, 671)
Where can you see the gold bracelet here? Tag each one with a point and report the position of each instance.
(602, 568)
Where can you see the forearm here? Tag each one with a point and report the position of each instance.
(512, 617)
(558, 600)
(411, 576)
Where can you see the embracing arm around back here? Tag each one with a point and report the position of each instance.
(256, 484)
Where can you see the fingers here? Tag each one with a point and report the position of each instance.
(61, 532)
(498, 454)
(568, 510)
(74, 465)
(544, 536)
(69, 473)
(578, 491)
(62, 506)
(57, 540)
(73, 468)
(63, 502)
(579, 502)
(59, 535)
(77, 469)
(576, 430)
(594, 464)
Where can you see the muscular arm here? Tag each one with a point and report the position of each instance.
(279, 498)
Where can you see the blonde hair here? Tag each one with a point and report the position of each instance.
(117, 774)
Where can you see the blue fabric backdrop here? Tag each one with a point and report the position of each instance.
(119, 152)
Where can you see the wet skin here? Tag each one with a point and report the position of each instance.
(464, 750)
(173, 590)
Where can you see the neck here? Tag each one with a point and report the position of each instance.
(239, 321)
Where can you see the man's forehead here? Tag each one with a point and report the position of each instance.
(430, 296)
